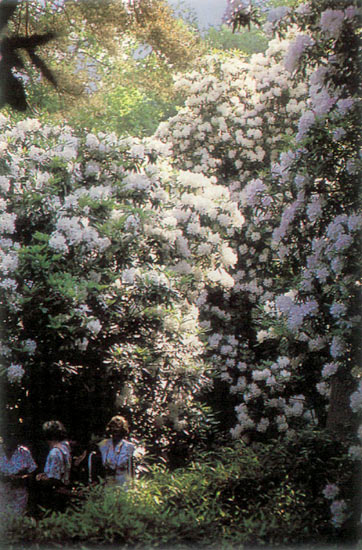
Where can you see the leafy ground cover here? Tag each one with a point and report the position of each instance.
(225, 498)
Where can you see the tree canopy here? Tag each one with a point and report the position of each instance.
(90, 47)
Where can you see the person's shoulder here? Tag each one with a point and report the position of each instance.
(65, 445)
(103, 443)
(23, 449)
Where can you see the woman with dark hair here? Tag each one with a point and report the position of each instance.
(54, 480)
(117, 452)
(16, 468)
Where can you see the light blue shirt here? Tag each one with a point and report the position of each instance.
(58, 462)
(117, 458)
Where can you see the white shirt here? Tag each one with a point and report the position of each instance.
(117, 458)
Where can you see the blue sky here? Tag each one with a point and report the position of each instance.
(209, 12)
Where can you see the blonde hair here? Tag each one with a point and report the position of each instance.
(118, 423)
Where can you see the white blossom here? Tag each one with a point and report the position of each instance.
(262, 335)
(94, 326)
(338, 511)
(30, 346)
(296, 49)
(4, 184)
(214, 340)
(263, 425)
(355, 452)
(330, 491)
(221, 276)
(228, 256)
(7, 222)
(275, 14)
(337, 347)
(15, 373)
(58, 242)
(356, 399)
(331, 22)
(92, 141)
(329, 369)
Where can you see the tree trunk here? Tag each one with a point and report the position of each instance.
(341, 421)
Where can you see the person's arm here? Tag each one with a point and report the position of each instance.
(47, 481)
(13, 478)
(20, 479)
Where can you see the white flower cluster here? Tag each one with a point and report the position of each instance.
(330, 491)
(329, 255)
(338, 512)
(8, 261)
(331, 22)
(296, 50)
(15, 373)
(94, 326)
(237, 99)
(7, 223)
(296, 313)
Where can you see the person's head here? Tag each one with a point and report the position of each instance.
(53, 430)
(117, 427)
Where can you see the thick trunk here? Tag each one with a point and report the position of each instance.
(342, 425)
(341, 421)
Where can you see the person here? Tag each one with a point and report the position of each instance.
(87, 466)
(16, 469)
(117, 453)
(54, 481)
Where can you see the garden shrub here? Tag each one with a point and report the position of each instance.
(98, 313)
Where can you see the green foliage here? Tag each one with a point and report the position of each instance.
(229, 496)
(288, 3)
(103, 81)
(247, 42)
(134, 96)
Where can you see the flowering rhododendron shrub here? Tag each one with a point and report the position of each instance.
(321, 240)
(238, 114)
(280, 131)
(282, 134)
(103, 251)
(321, 229)
(238, 118)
